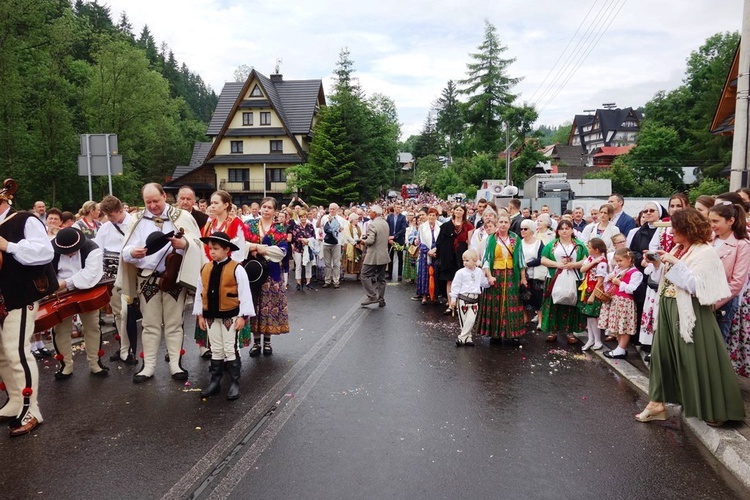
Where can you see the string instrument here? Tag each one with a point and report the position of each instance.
(172, 264)
(10, 186)
(59, 306)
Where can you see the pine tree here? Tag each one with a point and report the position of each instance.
(450, 121)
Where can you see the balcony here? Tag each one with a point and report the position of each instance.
(252, 186)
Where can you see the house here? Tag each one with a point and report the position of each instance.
(603, 156)
(259, 129)
(606, 127)
(723, 122)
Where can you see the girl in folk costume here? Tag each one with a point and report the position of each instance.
(664, 238)
(595, 268)
(351, 261)
(478, 240)
(221, 221)
(739, 335)
(267, 240)
(618, 316)
(467, 287)
(223, 304)
(501, 311)
(689, 361)
(410, 261)
(89, 222)
(564, 253)
(426, 272)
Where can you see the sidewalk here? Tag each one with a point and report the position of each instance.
(730, 444)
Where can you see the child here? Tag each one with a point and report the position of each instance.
(595, 269)
(465, 291)
(223, 304)
(618, 315)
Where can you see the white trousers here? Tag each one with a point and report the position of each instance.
(162, 310)
(224, 340)
(92, 337)
(18, 368)
(298, 267)
(467, 315)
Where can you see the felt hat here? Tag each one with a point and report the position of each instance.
(257, 273)
(156, 241)
(221, 237)
(68, 240)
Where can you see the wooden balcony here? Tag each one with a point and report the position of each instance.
(252, 186)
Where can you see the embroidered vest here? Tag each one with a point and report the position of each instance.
(220, 296)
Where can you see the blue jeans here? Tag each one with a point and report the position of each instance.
(725, 315)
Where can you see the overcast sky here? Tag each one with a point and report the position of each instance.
(409, 49)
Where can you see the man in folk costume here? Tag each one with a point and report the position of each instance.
(78, 264)
(25, 277)
(110, 238)
(140, 270)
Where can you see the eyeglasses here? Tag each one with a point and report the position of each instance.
(649, 210)
(524, 229)
(618, 242)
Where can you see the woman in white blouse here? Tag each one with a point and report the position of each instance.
(603, 229)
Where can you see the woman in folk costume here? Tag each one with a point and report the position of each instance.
(410, 261)
(426, 272)
(500, 308)
(89, 222)
(563, 253)
(451, 245)
(351, 261)
(221, 221)
(266, 239)
(689, 361)
(663, 238)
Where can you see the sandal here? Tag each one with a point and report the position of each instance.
(648, 415)
(448, 312)
(424, 302)
(552, 337)
(255, 351)
(572, 339)
(267, 349)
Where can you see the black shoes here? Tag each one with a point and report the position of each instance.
(381, 303)
(139, 379)
(609, 355)
(62, 376)
(267, 349)
(255, 351)
(180, 376)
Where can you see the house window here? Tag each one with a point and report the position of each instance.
(277, 146)
(265, 117)
(236, 146)
(239, 174)
(247, 119)
(256, 92)
(276, 174)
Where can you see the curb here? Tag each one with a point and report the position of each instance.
(729, 447)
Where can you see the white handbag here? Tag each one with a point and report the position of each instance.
(565, 289)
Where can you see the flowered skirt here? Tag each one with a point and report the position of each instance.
(739, 336)
(500, 308)
(410, 267)
(618, 316)
(648, 321)
(558, 318)
(271, 312)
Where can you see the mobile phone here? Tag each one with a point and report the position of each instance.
(653, 256)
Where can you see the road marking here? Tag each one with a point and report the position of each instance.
(250, 420)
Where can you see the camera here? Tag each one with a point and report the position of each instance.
(652, 256)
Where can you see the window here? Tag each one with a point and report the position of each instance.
(239, 174)
(236, 146)
(256, 92)
(277, 146)
(276, 174)
(247, 119)
(265, 117)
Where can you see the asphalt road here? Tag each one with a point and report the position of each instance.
(361, 403)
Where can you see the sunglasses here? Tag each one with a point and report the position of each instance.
(524, 229)
(649, 210)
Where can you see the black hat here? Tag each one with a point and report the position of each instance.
(257, 273)
(68, 240)
(222, 238)
(156, 241)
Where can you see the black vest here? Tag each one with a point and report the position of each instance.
(22, 285)
(85, 250)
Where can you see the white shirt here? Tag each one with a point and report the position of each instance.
(35, 248)
(78, 277)
(342, 223)
(145, 227)
(243, 291)
(468, 281)
(109, 239)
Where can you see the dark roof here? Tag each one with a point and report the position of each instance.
(299, 98)
(254, 103)
(269, 158)
(611, 120)
(568, 156)
(200, 150)
(254, 132)
(227, 98)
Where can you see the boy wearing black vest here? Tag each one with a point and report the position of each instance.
(223, 304)
(78, 263)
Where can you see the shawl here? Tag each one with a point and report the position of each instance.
(275, 238)
(549, 252)
(517, 249)
(704, 264)
(353, 233)
(425, 237)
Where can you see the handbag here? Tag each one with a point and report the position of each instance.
(413, 250)
(565, 289)
(652, 283)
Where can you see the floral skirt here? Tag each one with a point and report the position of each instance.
(618, 316)
(556, 318)
(500, 309)
(272, 317)
(739, 336)
(410, 268)
(648, 321)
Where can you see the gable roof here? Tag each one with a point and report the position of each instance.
(612, 150)
(200, 151)
(227, 98)
(723, 122)
(568, 156)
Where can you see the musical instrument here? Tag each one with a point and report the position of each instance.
(172, 264)
(10, 186)
(59, 306)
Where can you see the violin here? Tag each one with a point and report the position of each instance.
(56, 307)
(10, 186)
(172, 264)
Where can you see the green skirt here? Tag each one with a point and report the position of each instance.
(699, 375)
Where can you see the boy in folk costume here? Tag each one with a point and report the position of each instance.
(223, 304)
(465, 290)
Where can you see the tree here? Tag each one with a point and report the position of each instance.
(242, 72)
(489, 89)
(710, 187)
(529, 158)
(450, 121)
(561, 134)
(428, 141)
(658, 154)
(623, 179)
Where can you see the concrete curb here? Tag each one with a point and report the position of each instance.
(729, 447)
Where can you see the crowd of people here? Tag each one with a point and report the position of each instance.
(505, 271)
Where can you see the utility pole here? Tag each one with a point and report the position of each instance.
(739, 173)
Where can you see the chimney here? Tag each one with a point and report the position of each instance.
(276, 78)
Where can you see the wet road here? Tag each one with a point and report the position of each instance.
(361, 403)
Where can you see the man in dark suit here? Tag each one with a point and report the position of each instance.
(623, 221)
(397, 226)
(186, 201)
(376, 258)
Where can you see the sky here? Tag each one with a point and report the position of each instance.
(408, 50)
